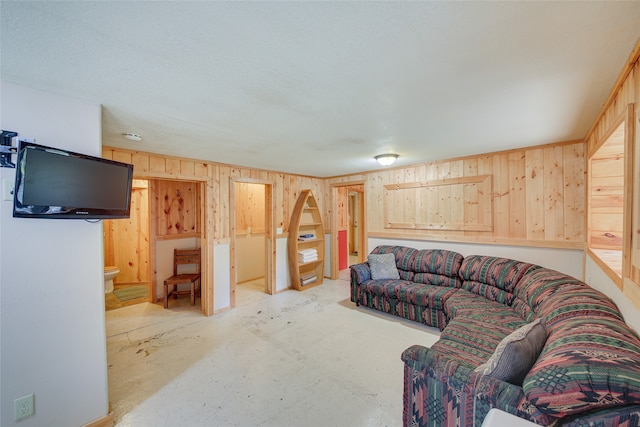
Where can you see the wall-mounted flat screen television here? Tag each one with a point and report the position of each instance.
(56, 183)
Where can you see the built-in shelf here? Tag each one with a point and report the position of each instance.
(306, 219)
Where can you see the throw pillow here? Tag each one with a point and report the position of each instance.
(516, 353)
(383, 266)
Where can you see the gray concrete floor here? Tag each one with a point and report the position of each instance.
(307, 358)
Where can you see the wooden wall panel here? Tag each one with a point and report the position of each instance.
(127, 240)
(438, 204)
(178, 209)
(342, 205)
(531, 201)
(286, 187)
(250, 208)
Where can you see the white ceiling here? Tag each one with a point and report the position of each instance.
(319, 88)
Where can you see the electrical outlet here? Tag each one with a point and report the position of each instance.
(23, 407)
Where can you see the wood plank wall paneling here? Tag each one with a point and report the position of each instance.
(286, 187)
(178, 209)
(606, 198)
(250, 208)
(537, 197)
(439, 204)
(341, 205)
(126, 241)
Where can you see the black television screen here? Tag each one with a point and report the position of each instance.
(55, 183)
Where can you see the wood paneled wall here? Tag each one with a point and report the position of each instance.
(126, 241)
(177, 212)
(606, 197)
(342, 205)
(537, 197)
(286, 187)
(250, 208)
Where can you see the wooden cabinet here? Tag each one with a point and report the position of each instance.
(306, 243)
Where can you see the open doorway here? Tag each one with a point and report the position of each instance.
(347, 228)
(353, 221)
(252, 243)
(126, 253)
(165, 215)
(176, 223)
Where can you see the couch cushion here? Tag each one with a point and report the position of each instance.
(383, 266)
(470, 342)
(424, 295)
(466, 304)
(516, 353)
(502, 273)
(436, 261)
(386, 288)
(489, 292)
(554, 296)
(428, 266)
(586, 364)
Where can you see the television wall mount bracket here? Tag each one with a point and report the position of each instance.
(6, 148)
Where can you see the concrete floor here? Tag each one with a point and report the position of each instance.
(307, 358)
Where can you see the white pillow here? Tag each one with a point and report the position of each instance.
(383, 266)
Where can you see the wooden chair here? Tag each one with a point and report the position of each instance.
(183, 257)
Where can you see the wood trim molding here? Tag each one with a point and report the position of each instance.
(428, 196)
(106, 421)
(478, 239)
(622, 77)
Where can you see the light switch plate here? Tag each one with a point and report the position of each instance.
(7, 190)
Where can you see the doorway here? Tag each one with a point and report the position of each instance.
(126, 252)
(347, 228)
(252, 242)
(165, 215)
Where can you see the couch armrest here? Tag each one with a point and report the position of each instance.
(439, 391)
(360, 273)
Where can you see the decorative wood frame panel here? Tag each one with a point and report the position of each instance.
(464, 204)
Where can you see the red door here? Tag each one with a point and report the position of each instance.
(342, 250)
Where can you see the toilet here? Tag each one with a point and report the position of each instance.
(109, 273)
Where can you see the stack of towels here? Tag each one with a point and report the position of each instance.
(305, 279)
(307, 255)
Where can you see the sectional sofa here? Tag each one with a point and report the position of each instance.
(515, 336)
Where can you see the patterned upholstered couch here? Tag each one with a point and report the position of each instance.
(586, 374)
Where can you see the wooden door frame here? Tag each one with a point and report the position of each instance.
(334, 224)
(269, 229)
(206, 235)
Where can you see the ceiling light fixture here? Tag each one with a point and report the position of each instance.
(386, 159)
(132, 136)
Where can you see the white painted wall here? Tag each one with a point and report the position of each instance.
(221, 277)
(568, 261)
(164, 260)
(52, 323)
(283, 278)
(599, 280)
(250, 257)
(222, 274)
